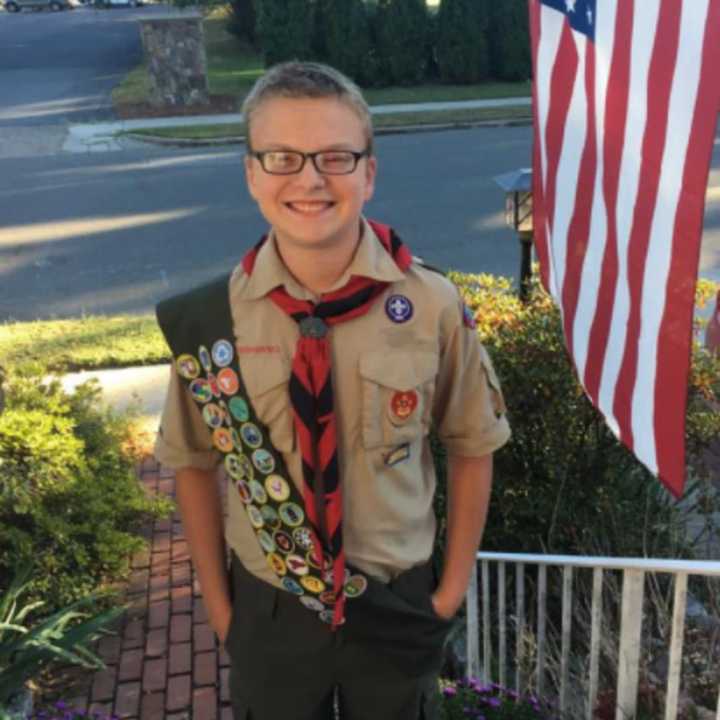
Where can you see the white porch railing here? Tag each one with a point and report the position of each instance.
(633, 571)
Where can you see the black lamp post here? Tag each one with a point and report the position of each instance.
(519, 216)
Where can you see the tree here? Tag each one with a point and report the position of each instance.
(402, 32)
(509, 40)
(243, 20)
(343, 39)
(284, 29)
(462, 47)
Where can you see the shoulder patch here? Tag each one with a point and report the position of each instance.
(468, 318)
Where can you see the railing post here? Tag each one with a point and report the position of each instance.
(486, 621)
(502, 627)
(676, 644)
(629, 653)
(565, 634)
(541, 610)
(595, 631)
(519, 622)
(472, 639)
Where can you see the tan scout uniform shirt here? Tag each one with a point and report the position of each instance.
(388, 520)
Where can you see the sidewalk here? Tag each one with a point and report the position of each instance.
(103, 136)
(165, 662)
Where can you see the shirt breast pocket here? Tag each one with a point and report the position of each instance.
(266, 379)
(397, 395)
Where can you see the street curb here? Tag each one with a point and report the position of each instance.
(399, 130)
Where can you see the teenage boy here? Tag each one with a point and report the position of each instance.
(314, 373)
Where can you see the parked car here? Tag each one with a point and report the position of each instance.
(54, 5)
(118, 3)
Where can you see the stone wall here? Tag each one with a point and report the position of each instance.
(175, 57)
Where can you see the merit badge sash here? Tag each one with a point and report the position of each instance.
(199, 330)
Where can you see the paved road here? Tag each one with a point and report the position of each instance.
(115, 232)
(57, 68)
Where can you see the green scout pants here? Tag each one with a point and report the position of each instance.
(382, 664)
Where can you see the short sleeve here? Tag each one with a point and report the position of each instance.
(469, 409)
(184, 439)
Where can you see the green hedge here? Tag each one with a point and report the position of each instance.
(395, 42)
(70, 501)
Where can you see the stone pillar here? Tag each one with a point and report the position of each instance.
(175, 57)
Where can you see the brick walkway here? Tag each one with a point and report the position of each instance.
(165, 662)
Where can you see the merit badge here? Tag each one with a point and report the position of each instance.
(222, 439)
(277, 488)
(469, 318)
(312, 603)
(258, 492)
(226, 413)
(328, 616)
(356, 586)
(212, 415)
(187, 367)
(214, 387)
(256, 518)
(284, 542)
(312, 584)
(247, 467)
(266, 541)
(200, 390)
(302, 537)
(205, 361)
(244, 492)
(291, 586)
(291, 514)
(228, 381)
(270, 516)
(239, 409)
(297, 565)
(222, 353)
(403, 404)
(251, 435)
(233, 467)
(277, 564)
(263, 461)
(398, 454)
(398, 308)
(328, 597)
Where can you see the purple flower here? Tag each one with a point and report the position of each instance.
(493, 702)
(449, 691)
(60, 705)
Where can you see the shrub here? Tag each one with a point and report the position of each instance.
(509, 41)
(401, 28)
(472, 700)
(461, 45)
(564, 484)
(242, 20)
(284, 29)
(69, 496)
(344, 40)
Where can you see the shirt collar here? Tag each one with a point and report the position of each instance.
(371, 260)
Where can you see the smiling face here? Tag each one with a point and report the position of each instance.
(310, 210)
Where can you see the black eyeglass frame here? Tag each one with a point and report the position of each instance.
(357, 156)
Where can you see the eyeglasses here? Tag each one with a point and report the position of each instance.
(326, 162)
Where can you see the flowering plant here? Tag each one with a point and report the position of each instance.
(472, 700)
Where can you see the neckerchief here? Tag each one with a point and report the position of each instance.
(311, 397)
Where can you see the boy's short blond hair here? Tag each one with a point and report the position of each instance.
(307, 80)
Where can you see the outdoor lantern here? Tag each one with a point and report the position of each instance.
(519, 216)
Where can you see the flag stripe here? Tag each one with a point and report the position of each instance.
(612, 69)
(579, 229)
(608, 345)
(675, 336)
(540, 236)
(660, 77)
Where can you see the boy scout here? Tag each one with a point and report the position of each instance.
(313, 373)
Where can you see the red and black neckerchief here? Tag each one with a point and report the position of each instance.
(311, 396)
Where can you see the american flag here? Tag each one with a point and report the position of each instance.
(626, 96)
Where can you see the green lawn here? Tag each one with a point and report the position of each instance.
(89, 343)
(233, 68)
